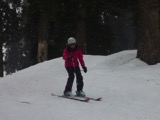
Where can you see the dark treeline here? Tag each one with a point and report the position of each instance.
(37, 30)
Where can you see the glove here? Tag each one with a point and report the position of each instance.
(84, 69)
(69, 57)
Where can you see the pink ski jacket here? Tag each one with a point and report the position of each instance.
(77, 57)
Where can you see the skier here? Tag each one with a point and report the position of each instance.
(73, 55)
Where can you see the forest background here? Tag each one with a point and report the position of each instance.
(33, 31)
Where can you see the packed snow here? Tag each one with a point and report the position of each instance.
(130, 90)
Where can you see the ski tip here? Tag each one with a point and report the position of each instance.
(99, 99)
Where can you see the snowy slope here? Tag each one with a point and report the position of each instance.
(130, 90)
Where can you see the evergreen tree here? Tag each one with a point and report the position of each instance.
(17, 54)
(9, 30)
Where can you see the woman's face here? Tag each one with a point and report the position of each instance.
(72, 45)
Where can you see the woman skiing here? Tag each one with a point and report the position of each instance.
(73, 56)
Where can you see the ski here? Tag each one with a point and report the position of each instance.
(73, 98)
(94, 99)
(82, 99)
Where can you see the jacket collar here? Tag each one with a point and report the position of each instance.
(72, 49)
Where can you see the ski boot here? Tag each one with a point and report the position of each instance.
(68, 94)
(80, 93)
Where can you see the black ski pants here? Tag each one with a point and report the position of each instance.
(72, 71)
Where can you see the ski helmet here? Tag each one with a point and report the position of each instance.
(71, 40)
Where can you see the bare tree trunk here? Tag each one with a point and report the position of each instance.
(149, 32)
(43, 36)
(81, 31)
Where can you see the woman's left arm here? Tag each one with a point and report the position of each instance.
(80, 57)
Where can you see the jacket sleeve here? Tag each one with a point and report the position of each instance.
(80, 57)
(65, 54)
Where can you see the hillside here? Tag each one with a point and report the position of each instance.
(130, 90)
